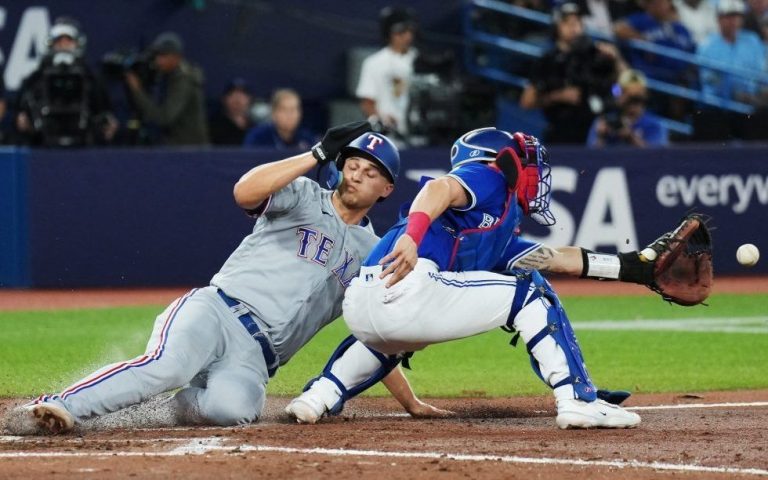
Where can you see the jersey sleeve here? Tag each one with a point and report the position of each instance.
(287, 198)
(483, 184)
(516, 249)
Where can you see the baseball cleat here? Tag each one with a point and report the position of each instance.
(305, 409)
(51, 418)
(573, 413)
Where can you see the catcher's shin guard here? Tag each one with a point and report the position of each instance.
(559, 328)
(387, 364)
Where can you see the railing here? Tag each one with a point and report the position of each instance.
(475, 36)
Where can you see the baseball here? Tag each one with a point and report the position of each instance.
(747, 254)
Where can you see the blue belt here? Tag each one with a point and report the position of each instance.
(244, 315)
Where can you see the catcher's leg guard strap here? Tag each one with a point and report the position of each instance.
(521, 298)
(353, 368)
(559, 328)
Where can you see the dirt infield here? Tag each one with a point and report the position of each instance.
(717, 436)
(19, 299)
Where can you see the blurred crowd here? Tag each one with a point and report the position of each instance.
(593, 88)
(590, 87)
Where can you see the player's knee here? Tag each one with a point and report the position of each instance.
(234, 409)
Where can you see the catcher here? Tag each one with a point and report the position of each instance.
(432, 278)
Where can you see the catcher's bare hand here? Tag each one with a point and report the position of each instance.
(402, 259)
(420, 409)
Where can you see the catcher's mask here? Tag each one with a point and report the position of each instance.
(536, 192)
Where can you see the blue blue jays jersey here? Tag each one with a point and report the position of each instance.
(479, 236)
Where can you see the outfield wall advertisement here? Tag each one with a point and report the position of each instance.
(166, 217)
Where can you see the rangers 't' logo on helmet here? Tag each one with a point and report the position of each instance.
(374, 141)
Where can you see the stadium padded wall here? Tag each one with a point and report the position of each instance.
(89, 218)
(14, 265)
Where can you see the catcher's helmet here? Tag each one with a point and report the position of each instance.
(481, 145)
(373, 146)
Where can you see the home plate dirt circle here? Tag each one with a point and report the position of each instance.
(710, 435)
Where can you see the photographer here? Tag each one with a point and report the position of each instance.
(181, 113)
(62, 103)
(571, 82)
(629, 123)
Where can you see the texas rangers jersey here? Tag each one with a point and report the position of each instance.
(479, 236)
(291, 272)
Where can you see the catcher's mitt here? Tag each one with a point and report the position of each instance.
(682, 262)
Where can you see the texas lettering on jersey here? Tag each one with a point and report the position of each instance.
(315, 246)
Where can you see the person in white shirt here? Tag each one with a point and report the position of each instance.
(385, 76)
(698, 16)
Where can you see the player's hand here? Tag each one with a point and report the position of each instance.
(327, 149)
(419, 409)
(401, 260)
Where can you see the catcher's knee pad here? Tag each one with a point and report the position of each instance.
(559, 328)
(388, 363)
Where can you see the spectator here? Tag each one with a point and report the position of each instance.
(698, 16)
(596, 16)
(231, 124)
(657, 24)
(62, 103)
(755, 17)
(181, 112)
(385, 76)
(630, 123)
(738, 48)
(284, 131)
(572, 81)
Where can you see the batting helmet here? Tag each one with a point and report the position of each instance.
(481, 145)
(376, 147)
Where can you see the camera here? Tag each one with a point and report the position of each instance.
(59, 102)
(117, 63)
(593, 71)
(434, 111)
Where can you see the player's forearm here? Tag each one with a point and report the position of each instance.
(399, 387)
(565, 260)
(437, 195)
(260, 182)
(578, 262)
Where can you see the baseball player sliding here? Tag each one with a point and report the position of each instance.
(431, 279)
(282, 284)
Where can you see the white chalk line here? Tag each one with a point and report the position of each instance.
(202, 446)
(198, 446)
(757, 325)
(648, 407)
(700, 405)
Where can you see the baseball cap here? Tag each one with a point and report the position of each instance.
(64, 30)
(167, 42)
(396, 20)
(731, 7)
(564, 10)
(237, 83)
